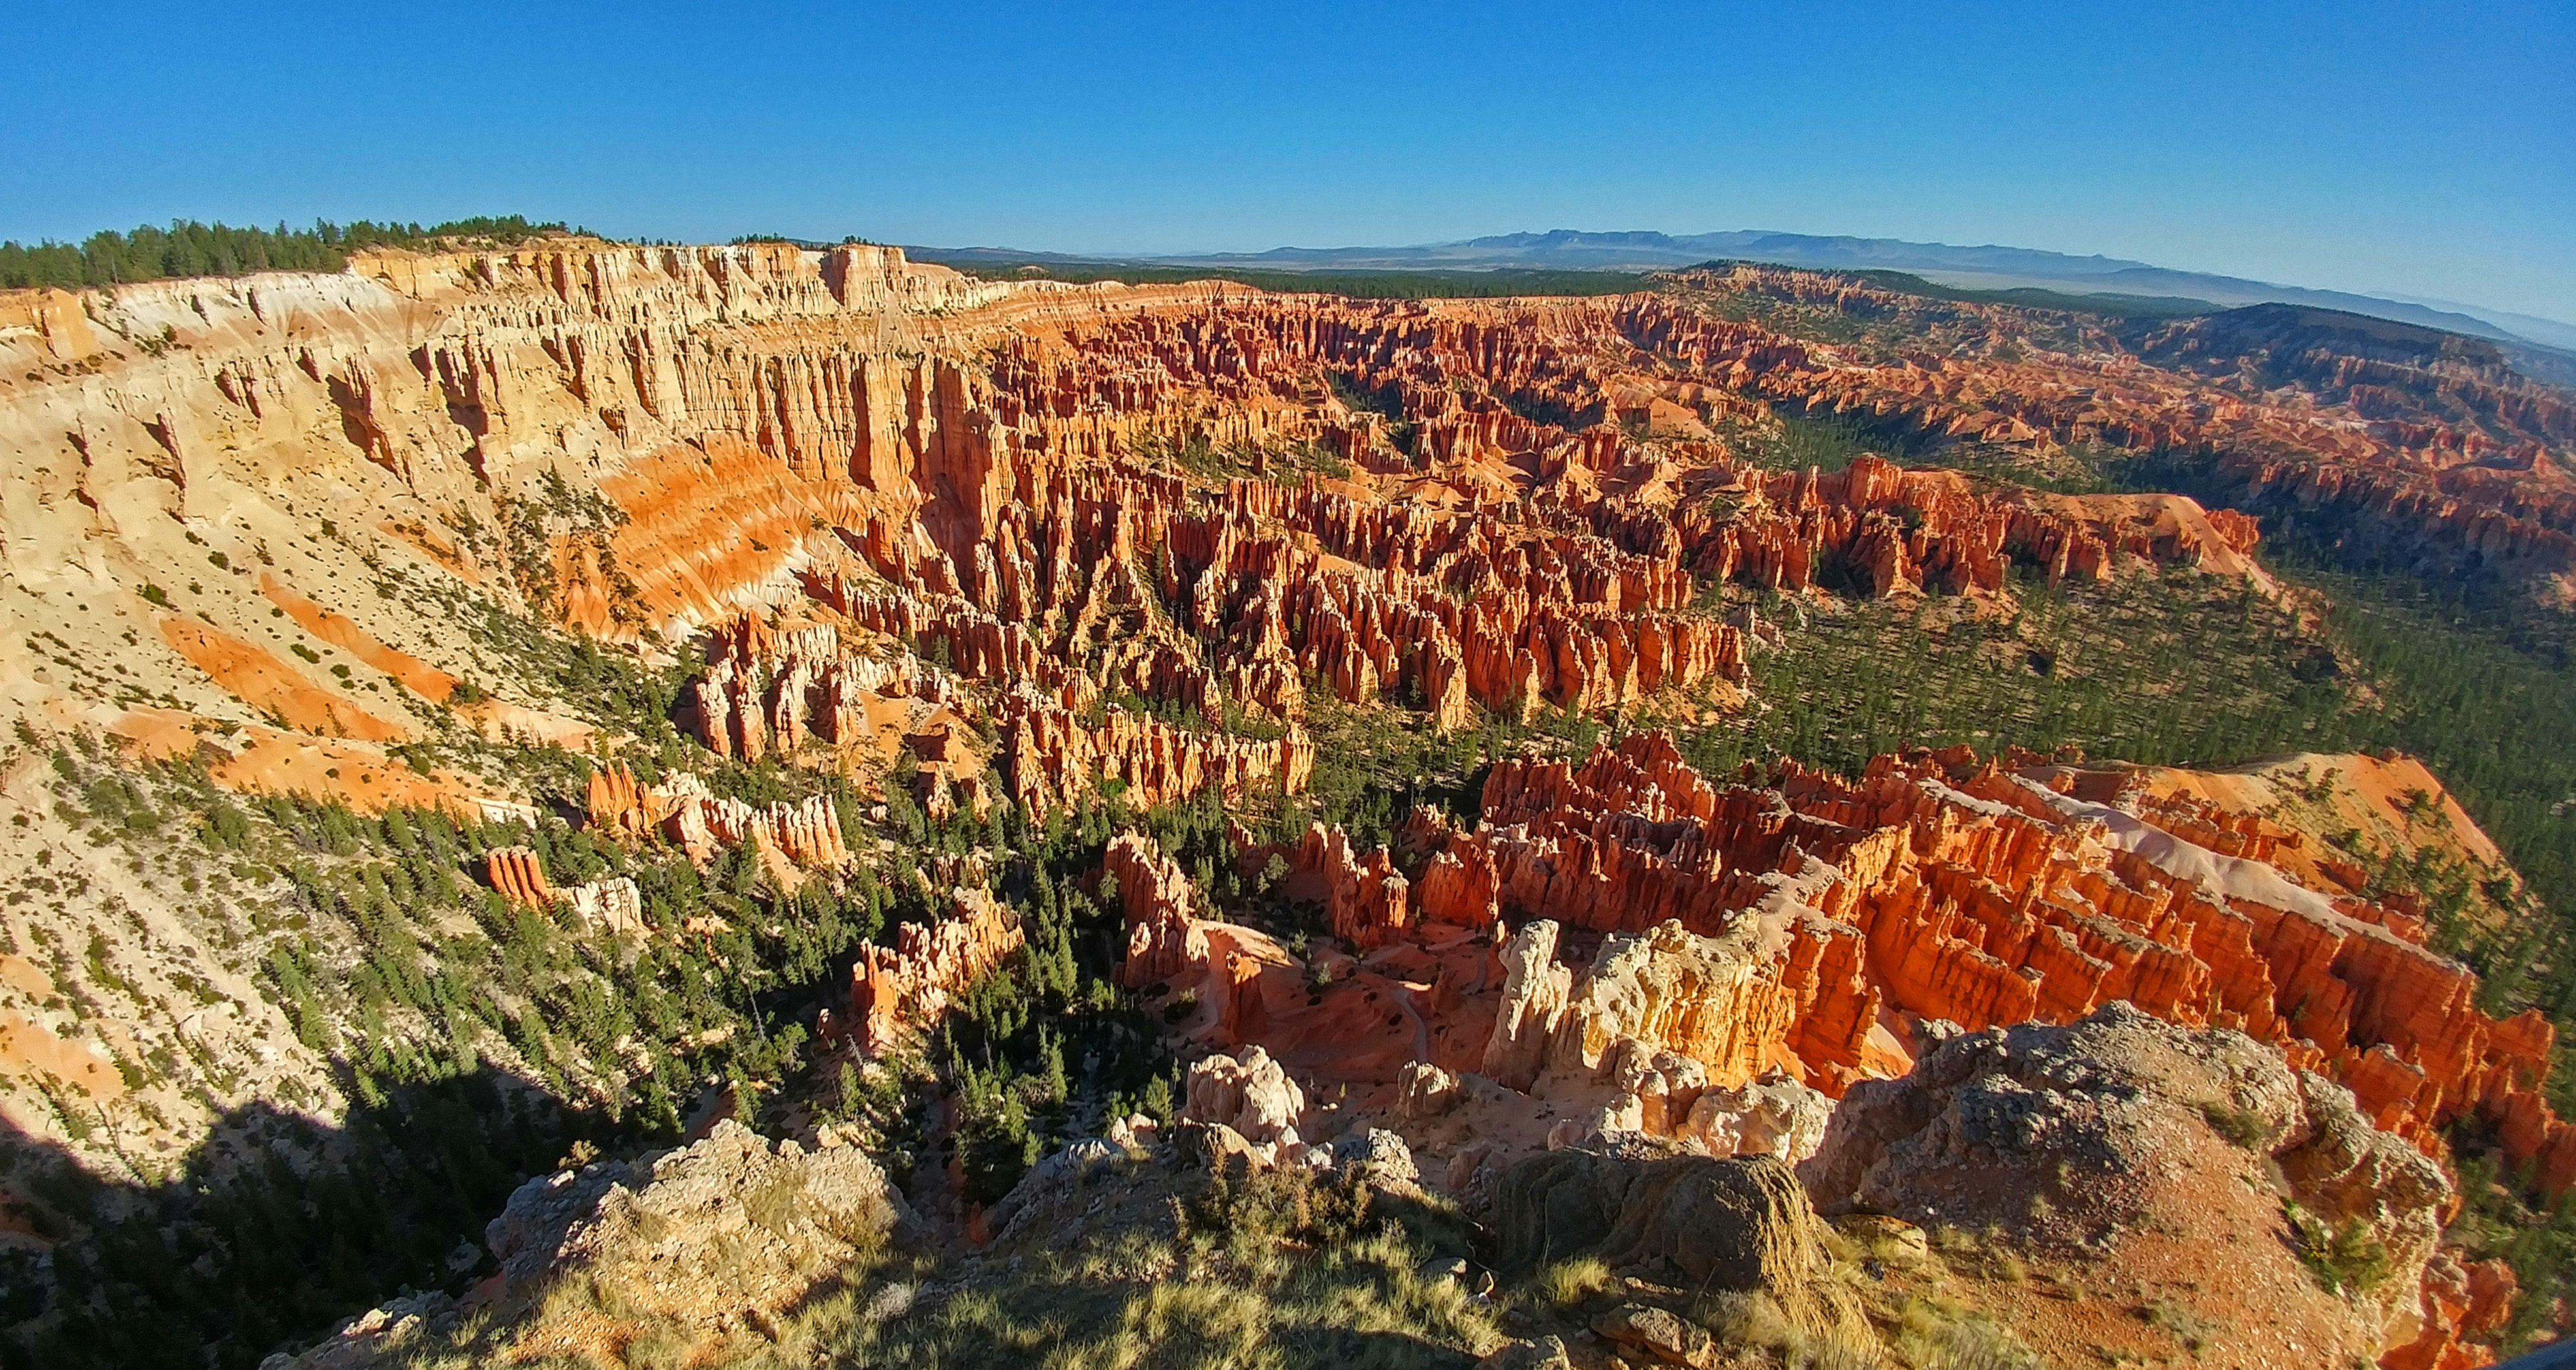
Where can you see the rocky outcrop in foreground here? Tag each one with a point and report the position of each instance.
(1693, 1221)
(728, 1230)
(2154, 1150)
(2086, 1119)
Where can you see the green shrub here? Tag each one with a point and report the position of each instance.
(2343, 1256)
(2242, 1127)
(1291, 1203)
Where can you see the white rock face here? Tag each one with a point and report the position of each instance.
(785, 1212)
(2113, 1102)
(1772, 1116)
(1427, 1091)
(613, 904)
(1535, 989)
(1380, 1153)
(1051, 1180)
(1253, 1096)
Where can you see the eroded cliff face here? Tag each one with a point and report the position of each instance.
(645, 440)
(292, 526)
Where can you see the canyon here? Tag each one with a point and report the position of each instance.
(879, 557)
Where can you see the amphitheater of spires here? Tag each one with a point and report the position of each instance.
(1034, 542)
(1073, 612)
(1020, 588)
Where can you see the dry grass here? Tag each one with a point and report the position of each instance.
(1756, 1320)
(1282, 1273)
(1933, 1334)
(1565, 1285)
(1987, 1254)
(1214, 1299)
(1277, 1272)
(2243, 1128)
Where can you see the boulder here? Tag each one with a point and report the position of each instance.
(1544, 1353)
(1050, 1180)
(1434, 1269)
(1771, 1116)
(726, 1223)
(1731, 1223)
(1218, 1146)
(2350, 1172)
(1709, 1223)
(2082, 1114)
(1424, 1092)
(1253, 1096)
(1657, 1333)
(1379, 1154)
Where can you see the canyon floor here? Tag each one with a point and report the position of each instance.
(575, 803)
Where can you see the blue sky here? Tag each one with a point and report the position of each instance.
(2416, 149)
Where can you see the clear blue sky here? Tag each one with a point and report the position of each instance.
(2411, 148)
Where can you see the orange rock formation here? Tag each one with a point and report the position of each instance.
(1672, 937)
(807, 832)
(519, 876)
(1938, 886)
(613, 903)
(908, 983)
(1163, 938)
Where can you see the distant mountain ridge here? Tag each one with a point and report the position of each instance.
(1988, 266)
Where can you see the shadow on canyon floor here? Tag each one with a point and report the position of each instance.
(270, 1229)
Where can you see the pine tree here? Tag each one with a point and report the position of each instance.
(1051, 1058)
